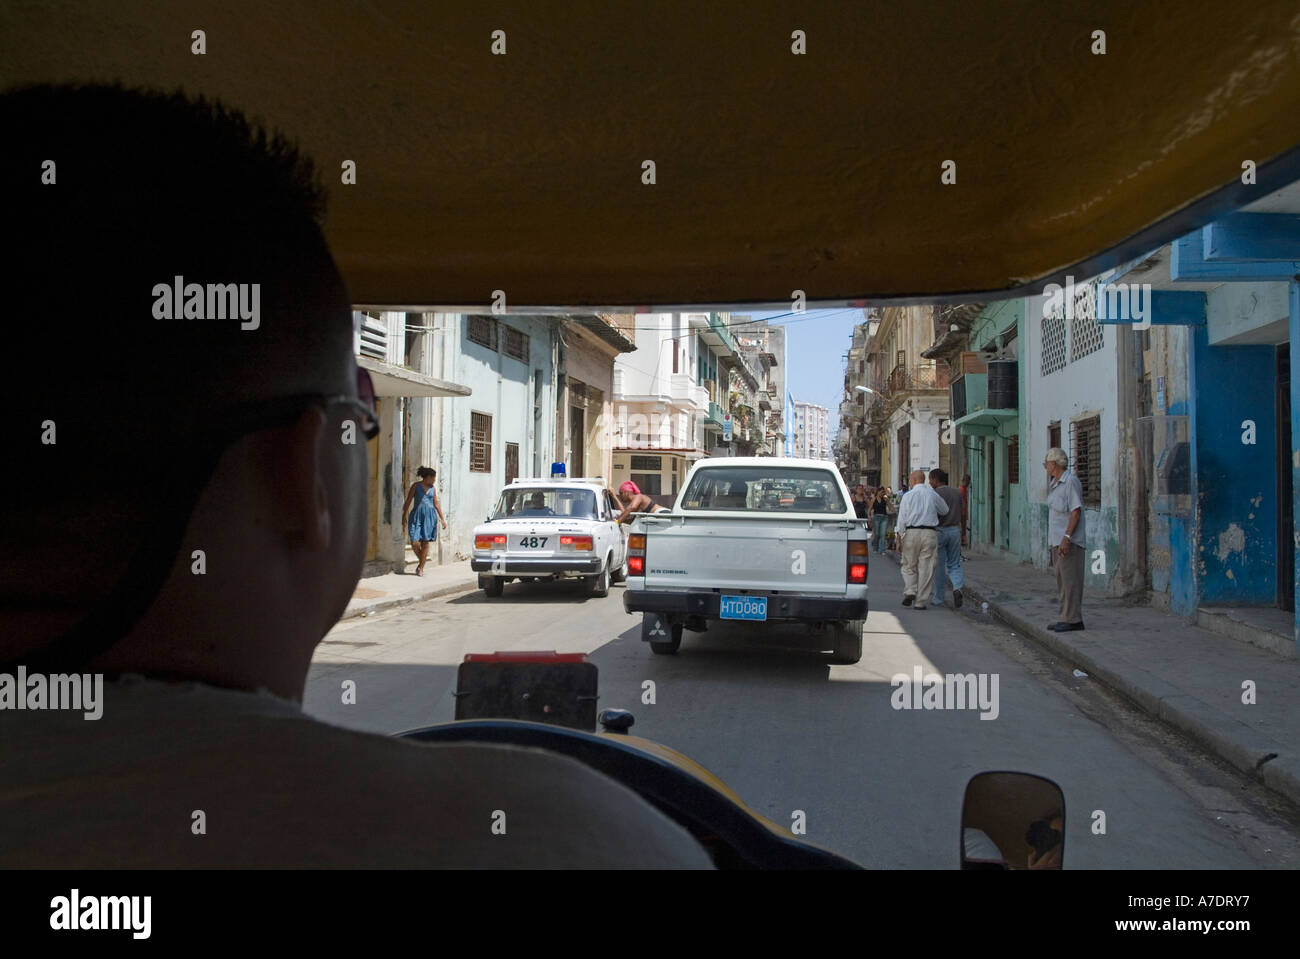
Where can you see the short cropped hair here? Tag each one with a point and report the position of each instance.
(110, 194)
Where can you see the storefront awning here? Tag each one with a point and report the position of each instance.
(393, 380)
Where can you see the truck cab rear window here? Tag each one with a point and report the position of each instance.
(764, 490)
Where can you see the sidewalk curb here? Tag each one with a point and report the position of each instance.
(1224, 736)
(380, 605)
(1229, 739)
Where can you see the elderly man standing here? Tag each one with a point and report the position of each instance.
(918, 526)
(1067, 536)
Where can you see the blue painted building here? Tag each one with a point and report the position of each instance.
(1219, 428)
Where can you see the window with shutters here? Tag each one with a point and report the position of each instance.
(1085, 332)
(647, 463)
(482, 330)
(516, 345)
(480, 442)
(1085, 443)
(1013, 459)
(1053, 349)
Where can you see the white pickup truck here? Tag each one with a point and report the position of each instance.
(752, 539)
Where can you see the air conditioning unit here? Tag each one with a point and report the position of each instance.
(969, 393)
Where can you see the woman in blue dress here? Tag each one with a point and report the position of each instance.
(422, 526)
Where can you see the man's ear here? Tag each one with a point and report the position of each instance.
(300, 493)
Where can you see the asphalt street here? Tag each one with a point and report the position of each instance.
(762, 708)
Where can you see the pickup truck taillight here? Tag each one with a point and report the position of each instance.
(576, 542)
(489, 542)
(636, 554)
(857, 563)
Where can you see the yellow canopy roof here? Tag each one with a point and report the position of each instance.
(774, 171)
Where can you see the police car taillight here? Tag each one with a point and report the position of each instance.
(577, 542)
(489, 542)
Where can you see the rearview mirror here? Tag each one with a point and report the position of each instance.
(1012, 821)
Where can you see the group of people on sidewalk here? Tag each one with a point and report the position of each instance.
(930, 531)
(931, 523)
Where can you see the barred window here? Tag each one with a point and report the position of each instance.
(512, 462)
(483, 330)
(1053, 352)
(647, 463)
(1013, 459)
(480, 442)
(1085, 443)
(1085, 331)
(516, 344)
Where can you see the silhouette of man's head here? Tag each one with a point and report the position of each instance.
(189, 503)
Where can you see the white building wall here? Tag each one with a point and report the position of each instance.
(507, 390)
(1088, 386)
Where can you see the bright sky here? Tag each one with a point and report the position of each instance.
(815, 343)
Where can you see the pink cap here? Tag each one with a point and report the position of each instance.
(629, 487)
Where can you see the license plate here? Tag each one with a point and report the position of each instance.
(532, 542)
(743, 607)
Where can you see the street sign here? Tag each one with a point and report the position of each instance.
(726, 428)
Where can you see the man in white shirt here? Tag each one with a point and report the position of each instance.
(918, 531)
(1067, 538)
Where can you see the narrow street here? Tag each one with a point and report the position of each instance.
(788, 731)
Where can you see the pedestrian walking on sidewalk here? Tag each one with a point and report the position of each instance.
(423, 524)
(1066, 536)
(879, 520)
(947, 565)
(965, 499)
(860, 503)
(891, 508)
(918, 524)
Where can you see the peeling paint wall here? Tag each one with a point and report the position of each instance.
(1171, 535)
(1236, 480)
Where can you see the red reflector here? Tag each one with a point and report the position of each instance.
(858, 573)
(636, 565)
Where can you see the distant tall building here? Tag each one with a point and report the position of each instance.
(812, 431)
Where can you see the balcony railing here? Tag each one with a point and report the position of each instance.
(919, 378)
(720, 328)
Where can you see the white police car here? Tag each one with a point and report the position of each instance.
(548, 529)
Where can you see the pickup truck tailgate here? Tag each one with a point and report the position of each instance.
(747, 553)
